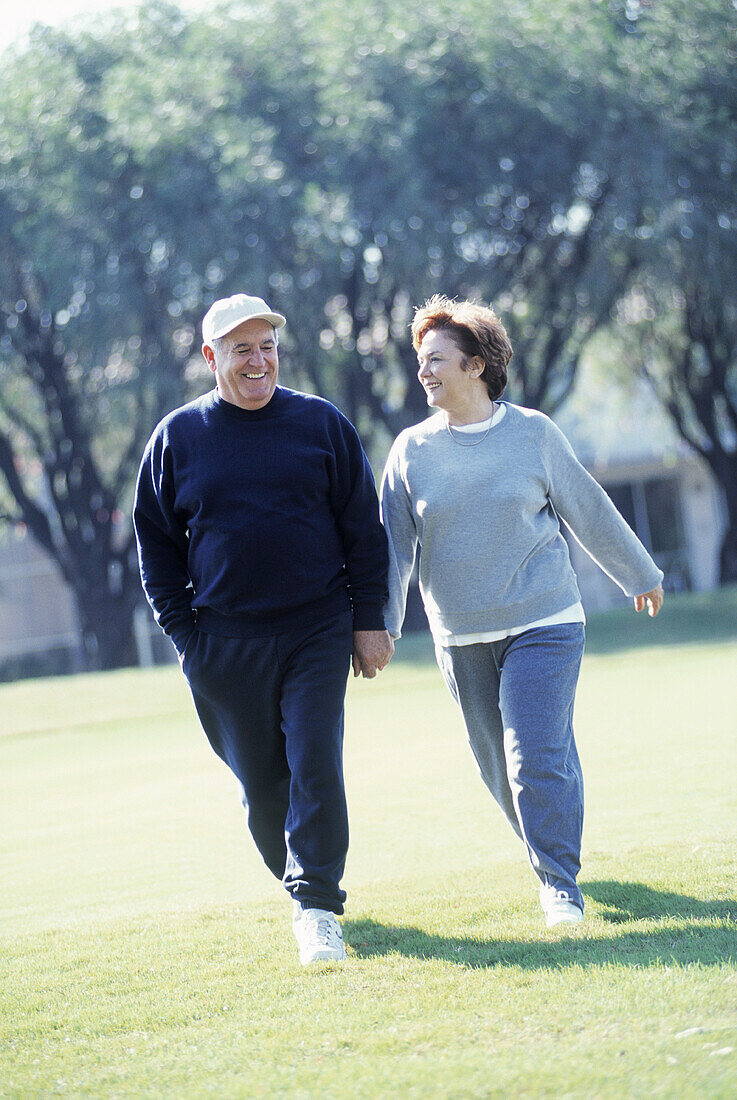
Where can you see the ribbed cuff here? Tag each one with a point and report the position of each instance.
(180, 634)
(368, 616)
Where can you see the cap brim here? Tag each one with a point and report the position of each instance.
(275, 319)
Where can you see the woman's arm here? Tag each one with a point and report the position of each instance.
(596, 524)
(399, 523)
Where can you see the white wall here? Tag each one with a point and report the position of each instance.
(36, 606)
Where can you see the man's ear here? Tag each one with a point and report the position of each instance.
(209, 355)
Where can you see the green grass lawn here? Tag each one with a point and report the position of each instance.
(146, 951)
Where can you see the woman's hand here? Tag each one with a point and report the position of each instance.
(654, 601)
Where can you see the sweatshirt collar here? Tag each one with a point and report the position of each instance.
(270, 409)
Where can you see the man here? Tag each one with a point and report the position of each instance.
(264, 560)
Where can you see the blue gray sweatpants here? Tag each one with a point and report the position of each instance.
(517, 699)
(272, 709)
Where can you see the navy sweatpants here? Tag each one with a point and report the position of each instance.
(272, 709)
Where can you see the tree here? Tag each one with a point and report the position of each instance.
(110, 251)
(346, 170)
(477, 165)
(678, 319)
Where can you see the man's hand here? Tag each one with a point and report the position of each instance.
(372, 651)
(654, 601)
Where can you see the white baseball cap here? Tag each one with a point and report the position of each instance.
(227, 313)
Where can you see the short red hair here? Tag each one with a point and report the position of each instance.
(476, 330)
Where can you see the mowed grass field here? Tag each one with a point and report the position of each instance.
(146, 951)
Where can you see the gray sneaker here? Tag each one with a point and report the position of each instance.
(558, 907)
(318, 934)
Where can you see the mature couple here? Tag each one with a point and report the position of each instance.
(264, 559)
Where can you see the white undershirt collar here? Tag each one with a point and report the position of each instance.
(484, 425)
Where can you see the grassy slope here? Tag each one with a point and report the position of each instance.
(146, 952)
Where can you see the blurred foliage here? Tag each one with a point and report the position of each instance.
(345, 162)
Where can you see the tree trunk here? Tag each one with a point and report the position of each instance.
(728, 555)
(727, 476)
(105, 613)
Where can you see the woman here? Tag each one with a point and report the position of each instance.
(480, 488)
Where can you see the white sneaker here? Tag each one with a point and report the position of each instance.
(558, 907)
(318, 934)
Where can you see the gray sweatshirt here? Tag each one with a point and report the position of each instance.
(486, 522)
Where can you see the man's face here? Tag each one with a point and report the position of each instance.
(245, 364)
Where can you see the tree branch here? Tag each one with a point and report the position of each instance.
(31, 513)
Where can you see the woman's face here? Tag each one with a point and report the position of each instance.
(447, 384)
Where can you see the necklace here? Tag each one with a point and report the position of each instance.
(476, 441)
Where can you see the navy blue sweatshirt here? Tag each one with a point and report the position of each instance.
(255, 521)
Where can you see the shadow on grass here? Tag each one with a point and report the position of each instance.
(708, 936)
(622, 902)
